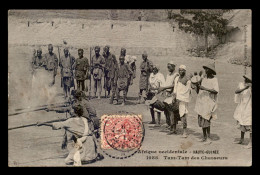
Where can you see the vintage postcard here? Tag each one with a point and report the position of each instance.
(133, 87)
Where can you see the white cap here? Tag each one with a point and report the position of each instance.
(182, 67)
(171, 62)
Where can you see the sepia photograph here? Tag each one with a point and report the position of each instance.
(129, 87)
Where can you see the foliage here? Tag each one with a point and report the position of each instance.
(201, 21)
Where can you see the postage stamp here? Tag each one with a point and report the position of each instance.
(121, 132)
(130, 87)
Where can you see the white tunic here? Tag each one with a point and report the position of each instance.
(243, 112)
(182, 91)
(168, 82)
(156, 81)
(206, 102)
(183, 94)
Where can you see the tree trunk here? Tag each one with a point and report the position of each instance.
(206, 42)
(197, 41)
(206, 36)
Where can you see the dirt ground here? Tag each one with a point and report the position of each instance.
(41, 146)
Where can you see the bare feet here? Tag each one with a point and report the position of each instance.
(184, 135)
(171, 133)
(238, 141)
(248, 146)
(152, 122)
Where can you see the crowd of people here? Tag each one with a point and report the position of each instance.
(170, 95)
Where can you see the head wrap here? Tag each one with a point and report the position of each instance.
(171, 63)
(182, 67)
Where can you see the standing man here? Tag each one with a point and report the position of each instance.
(47, 78)
(146, 69)
(130, 60)
(110, 63)
(38, 65)
(38, 61)
(123, 74)
(243, 112)
(156, 80)
(98, 63)
(51, 64)
(182, 90)
(81, 70)
(206, 102)
(66, 63)
(168, 99)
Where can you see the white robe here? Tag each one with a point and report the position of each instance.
(206, 102)
(156, 81)
(243, 112)
(168, 82)
(183, 95)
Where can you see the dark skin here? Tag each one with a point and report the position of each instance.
(171, 69)
(144, 58)
(50, 49)
(209, 75)
(66, 52)
(80, 53)
(39, 54)
(123, 52)
(248, 84)
(105, 51)
(66, 89)
(97, 52)
(122, 61)
(183, 79)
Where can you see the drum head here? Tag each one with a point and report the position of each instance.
(195, 79)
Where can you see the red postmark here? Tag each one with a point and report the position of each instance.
(121, 132)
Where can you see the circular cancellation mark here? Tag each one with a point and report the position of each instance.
(122, 134)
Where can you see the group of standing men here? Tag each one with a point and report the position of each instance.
(75, 72)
